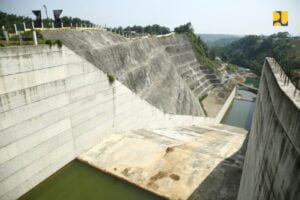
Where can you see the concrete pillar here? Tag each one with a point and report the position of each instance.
(71, 25)
(20, 38)
(32, 24)
(62, 24)
(24, 25)
(16, 30)
(76, 25)
(5, 34)
(53, 25)
(35, 41)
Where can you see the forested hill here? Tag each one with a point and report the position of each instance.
(250, 51)
(218, 40)
(204, 55)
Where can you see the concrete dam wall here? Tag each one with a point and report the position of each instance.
(54, 105)
(163, 71)
(272, 165)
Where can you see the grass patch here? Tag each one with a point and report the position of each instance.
(111, 79)
(49, 42)
(58, 43)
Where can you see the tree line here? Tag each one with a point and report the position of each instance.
(154, 29)
(250, 51)
(203, 54)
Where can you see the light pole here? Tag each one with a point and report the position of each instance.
(45, 7)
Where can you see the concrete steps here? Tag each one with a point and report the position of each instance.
(199, 78)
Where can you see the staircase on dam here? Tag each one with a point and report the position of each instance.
(151, 67)
(198, 77)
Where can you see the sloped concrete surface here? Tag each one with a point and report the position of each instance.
(174, 162)
(164, 71)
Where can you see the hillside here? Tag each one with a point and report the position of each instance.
(217, 40)
(250, 51)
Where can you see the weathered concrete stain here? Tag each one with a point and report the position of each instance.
(272, 164)
(169, 162)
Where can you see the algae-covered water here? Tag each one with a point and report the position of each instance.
(79, 181)
(239, 114)
(254, 82)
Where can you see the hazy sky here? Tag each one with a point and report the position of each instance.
(207, 16)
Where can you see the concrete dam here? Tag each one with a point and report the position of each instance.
(59, 104)
(272, 163)
(152, 68)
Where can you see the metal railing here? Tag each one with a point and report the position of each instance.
(288, 74)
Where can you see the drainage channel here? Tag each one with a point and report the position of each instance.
(241, 110)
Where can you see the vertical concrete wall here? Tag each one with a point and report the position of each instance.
(53, 106)
(272, 164)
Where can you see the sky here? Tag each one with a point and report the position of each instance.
(241, 17)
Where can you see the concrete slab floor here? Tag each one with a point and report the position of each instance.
(215, 100)
(175, 163)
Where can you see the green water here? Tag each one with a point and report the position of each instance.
(254, 82)
(240, 112)
(78, 181)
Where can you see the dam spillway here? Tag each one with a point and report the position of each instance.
(57, 103)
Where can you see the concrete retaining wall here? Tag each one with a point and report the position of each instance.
(226, 105)
(53, 106)
(272, 165)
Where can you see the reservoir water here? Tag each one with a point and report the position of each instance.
(240, 112)
(254, 82)
(79, 181)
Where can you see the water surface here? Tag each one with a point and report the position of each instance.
(79, 181)
(240, 112)
(254, 82)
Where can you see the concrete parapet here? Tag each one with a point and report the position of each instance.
(271, 168)
(226, 105)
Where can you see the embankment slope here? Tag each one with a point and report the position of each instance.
(159, 70)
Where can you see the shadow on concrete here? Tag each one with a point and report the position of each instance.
(223, 182)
